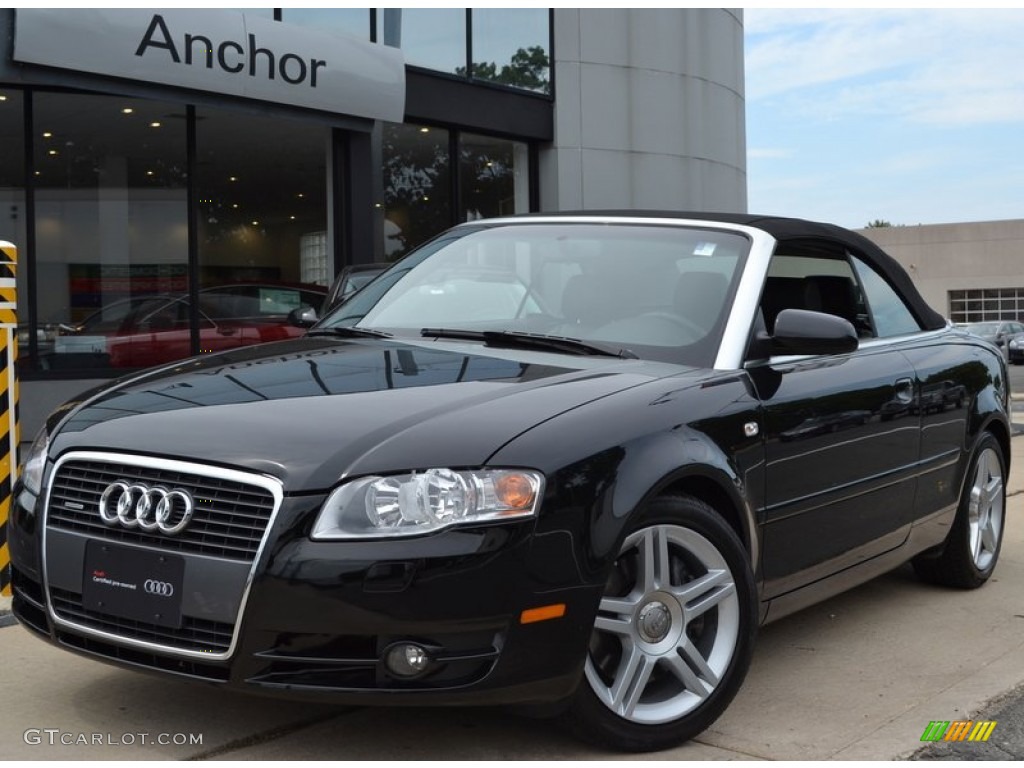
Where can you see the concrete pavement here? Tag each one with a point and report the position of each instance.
(858, 677)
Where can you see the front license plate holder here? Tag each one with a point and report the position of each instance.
(133, 584)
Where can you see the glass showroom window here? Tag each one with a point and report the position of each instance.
(12, 204)
(416, 186)
(493, 177)
(263, 13)
(262, 229)
(111, 221)
(434, 38)
(510, 46)
(354, 22)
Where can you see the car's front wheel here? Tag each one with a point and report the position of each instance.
(972, 547)
(673, 634)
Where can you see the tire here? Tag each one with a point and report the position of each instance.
(673, 634)
(972, 548)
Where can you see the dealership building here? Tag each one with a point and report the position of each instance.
(971, 271)
(251, 155)
(175, 152)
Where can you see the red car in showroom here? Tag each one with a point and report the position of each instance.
(149, 330)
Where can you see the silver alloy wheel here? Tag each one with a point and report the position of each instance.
(985, 509)
(667, 627)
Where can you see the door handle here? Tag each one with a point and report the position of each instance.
(904, 390)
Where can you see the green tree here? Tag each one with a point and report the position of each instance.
(529, 68)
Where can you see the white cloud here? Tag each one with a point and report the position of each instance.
(927, 66)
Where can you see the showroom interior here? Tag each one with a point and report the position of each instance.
(188, 154)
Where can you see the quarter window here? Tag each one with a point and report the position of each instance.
(889, 314)
(839, 284)
(820, 283)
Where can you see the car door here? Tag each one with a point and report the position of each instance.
(841, 438)
(945, 377)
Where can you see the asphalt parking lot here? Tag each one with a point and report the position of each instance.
(857, 677)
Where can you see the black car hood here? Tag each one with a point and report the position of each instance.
(314, 410)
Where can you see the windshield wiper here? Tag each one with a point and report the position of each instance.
(350, 331)
(524, 340)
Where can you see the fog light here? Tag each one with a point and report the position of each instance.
(407, 660)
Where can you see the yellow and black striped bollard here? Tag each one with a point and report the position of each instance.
(9, 432)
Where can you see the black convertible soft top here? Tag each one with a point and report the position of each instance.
(786, 229)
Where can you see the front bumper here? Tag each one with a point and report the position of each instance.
(314, 620)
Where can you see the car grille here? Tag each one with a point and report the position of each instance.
(231, 516)
(194, 634)
(136, 658)
(229, 521)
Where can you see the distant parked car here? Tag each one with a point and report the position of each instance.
(1015, 349)
(996, 331)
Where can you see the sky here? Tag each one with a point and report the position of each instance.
(911, 116)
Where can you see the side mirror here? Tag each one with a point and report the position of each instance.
(803, 332)
(303, 317)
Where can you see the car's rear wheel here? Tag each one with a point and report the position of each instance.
(972, 548)
(673, 634)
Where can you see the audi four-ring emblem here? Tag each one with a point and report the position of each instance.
(161, 588)
(134, 505)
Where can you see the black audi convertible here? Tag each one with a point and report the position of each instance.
(567, 461)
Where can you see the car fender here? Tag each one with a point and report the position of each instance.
(688, 461)
(987, 416)
(990, 411)
(602, 491)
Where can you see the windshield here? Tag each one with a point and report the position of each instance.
(660, 292)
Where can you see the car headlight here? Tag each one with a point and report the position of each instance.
(1013, 344)
(35, 462)
(424, 502)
